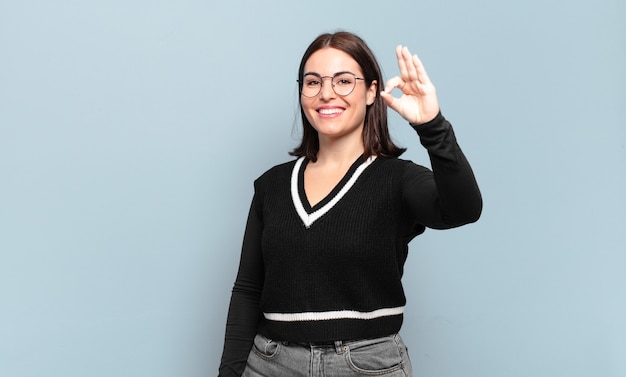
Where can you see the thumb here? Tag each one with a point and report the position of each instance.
(389, 100)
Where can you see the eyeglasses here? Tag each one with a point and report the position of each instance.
(343, 83)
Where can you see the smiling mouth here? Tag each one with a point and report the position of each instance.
(330, 111)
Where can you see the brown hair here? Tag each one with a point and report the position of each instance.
(376, 138)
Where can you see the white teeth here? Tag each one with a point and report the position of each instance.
(330, 111)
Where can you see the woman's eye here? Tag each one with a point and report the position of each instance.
(343, 81)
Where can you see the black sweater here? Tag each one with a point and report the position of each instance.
(333, 271)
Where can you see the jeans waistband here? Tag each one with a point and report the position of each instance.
(338, 345)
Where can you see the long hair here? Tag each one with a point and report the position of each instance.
(376, 138)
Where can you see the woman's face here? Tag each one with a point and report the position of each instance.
(334, 115)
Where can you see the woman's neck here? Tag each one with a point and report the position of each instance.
(340, 151)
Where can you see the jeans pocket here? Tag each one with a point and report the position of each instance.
(376, 356)
(266, 348)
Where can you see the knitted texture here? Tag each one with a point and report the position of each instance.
(346, 265)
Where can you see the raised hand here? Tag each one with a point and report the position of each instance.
(418, 103)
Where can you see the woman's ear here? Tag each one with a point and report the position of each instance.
(372, 91)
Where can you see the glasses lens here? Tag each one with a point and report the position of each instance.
(311, 85)
(344, 84)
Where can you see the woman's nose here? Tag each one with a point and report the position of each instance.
(327, 92)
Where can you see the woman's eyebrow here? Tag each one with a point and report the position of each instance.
(335, 74)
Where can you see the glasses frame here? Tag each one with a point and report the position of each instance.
(332, 85)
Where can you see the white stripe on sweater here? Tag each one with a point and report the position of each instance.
(309, 219)
(337, 314)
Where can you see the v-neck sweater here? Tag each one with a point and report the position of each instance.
(333, 271)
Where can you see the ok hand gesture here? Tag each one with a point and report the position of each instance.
(418, 103)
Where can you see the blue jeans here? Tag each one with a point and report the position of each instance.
(385, 356)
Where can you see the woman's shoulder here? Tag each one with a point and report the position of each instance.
(401, 165)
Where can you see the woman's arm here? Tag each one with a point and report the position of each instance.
(448, 196)
(244, 312)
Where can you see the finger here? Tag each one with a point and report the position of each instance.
(401, 61)
(394, 82)
(420, 70)
(392, 102)
(388, 99)
(412, 73)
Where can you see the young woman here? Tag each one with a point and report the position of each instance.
(319, 291)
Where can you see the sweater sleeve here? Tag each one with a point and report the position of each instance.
(244, 312)
(448, 196)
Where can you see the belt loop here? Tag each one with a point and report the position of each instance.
(339, 347)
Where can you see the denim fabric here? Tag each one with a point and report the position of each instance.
(385, 356)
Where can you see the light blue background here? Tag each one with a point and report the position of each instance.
(131, 132)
